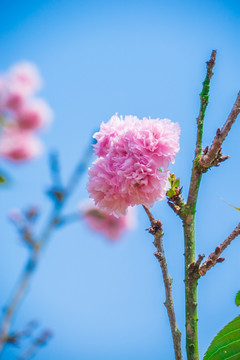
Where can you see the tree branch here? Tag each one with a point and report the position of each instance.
(191, 280)
(214, 153)
(210, 157)
(156, 231)
(30, 266)
(214, 257)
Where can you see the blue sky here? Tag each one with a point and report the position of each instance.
(145, 58)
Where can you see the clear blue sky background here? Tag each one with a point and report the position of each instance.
(146, 58)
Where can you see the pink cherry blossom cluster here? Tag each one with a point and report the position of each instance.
(133, 157)
(21, 113)
(106, 224)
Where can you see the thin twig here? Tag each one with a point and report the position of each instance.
(54, 166)
(150, 216)
(214, 257)
(69, 218)
(37, 250)
(208, 159)
(204, 96)
(156, 231)
(40, 341)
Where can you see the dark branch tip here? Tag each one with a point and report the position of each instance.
(218, 132)
(205, 150)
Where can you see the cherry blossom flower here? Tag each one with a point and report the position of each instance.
(131, 154)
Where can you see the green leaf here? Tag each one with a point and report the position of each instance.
(171, 193)
(176, 183)
(226, 345)
(237, 299)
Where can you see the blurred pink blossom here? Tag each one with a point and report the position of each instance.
(21, 112)
(13, 98)
(131, 151)
(1, 94)
(19, 145)
(34, 115)
(25, 75)
(109, 225)
(20, 82)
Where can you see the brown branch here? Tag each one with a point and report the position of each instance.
(150, 216)
(214, 257)
(156, 231)
(214, 152)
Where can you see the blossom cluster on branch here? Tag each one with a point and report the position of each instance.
(132, 163)
(21, 113)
